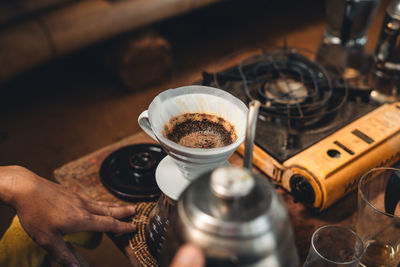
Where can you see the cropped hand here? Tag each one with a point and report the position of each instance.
(47, 211)
(188, 256)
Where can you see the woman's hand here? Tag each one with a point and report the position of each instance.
(47, 211)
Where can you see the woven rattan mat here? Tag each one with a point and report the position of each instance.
(138, 241)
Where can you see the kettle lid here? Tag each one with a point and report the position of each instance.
(231, 183)
(231, 202)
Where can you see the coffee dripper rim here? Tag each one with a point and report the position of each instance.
(200, 152)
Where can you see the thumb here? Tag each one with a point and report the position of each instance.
(64, 253)
(188, 256)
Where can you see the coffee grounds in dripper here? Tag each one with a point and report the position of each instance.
(200, 130)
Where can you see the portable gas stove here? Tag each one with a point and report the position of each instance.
(315, 135)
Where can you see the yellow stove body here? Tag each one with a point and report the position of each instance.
(326, 171)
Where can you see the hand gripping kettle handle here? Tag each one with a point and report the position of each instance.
(144, 123)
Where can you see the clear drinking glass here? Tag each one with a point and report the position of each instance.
(378, 221)
(333, 245)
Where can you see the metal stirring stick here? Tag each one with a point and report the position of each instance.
(252, 116)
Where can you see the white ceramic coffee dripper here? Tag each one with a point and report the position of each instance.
(184, 164)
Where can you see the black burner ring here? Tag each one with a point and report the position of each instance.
(129, 172)
(142, 161)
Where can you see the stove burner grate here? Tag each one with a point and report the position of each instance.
(288, 84)
(301, 103)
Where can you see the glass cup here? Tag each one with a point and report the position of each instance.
(334, 246)
(378, 222)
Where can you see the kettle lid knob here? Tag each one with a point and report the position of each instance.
(231, 182)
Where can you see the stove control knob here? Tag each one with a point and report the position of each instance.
(302, 190)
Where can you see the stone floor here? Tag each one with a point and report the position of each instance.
(68, 108)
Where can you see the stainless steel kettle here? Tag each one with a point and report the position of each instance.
(236, 217)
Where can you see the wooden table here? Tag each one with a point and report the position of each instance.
(82, 176)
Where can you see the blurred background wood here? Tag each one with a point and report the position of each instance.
(15, 10)
(62, 31)
(138, 60)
